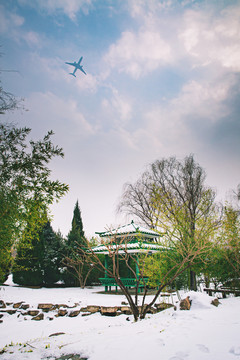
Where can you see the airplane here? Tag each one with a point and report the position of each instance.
(77, 66)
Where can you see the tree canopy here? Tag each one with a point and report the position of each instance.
(26, 187)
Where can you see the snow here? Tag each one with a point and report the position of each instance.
(203, 332)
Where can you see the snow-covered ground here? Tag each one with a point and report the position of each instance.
(203, 332)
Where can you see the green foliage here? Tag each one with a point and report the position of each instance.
(162, 267)
(229, 244)
(39, 263)
(26, 190)
(75, 242)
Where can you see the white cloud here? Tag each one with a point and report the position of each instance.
(32, 38)
(139, 53)
(173, 126)
(117, 111)
(213, 39)
(9, 20)
(63, 114)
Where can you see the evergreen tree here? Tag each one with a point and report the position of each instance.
(27, 264)
(75, 239)
(52, 255)
(38, 264)
(76, 235)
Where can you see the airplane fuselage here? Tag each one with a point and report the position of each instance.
(77, 67)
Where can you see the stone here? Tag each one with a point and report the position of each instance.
(17, 305)
(33, 312)
(87, 314)
(109, 310)
(38, 317)
(83, 309)
(152, 310)
(162, 306)
(62, 312)
(24, 306)
(93, 308)
(45, 307)
(74, 313)
(124, 303)
(11, 311)
(2, 304)
(1, 321)
(215, 302)
(126, 310)
(58, 306)
(185, 304)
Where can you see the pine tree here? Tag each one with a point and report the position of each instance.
(75, 239)
(76, 235)
(39, 264)
(52, 255)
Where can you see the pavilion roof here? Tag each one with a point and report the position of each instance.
(129, 229)
(131, 247)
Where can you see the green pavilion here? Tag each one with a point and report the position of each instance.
(131, 238)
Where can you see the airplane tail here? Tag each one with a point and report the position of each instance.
(72, 74)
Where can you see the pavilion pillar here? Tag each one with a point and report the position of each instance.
(137, 266)
(106, 268)
(137, 270)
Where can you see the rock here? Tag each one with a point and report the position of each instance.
(83, 309)
(11, 311)
(1, 315)
(162, 306)
(152, 310)
(62, 312)
(126, 310)
(33, 312)
(61, 305)
(46, 307)
(2, 304)
(38, 317)
(1, 321)
(74, 313)
(215, 302)
(109, 310)
(17, 305)
(9, 303)
(87, 314)
(93, 308)
(124, 303)
(24, 306)
(185, 304)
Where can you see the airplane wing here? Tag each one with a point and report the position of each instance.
(83, 71)
(70, 63)
(79, 62)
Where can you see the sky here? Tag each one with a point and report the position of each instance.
(163, 79)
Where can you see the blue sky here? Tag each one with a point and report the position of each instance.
(162, 80)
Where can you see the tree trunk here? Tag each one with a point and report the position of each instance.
(193, 281)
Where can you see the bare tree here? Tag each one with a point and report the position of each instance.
(175, 194)
(136, 201)
(80, 265)
(117, 250)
